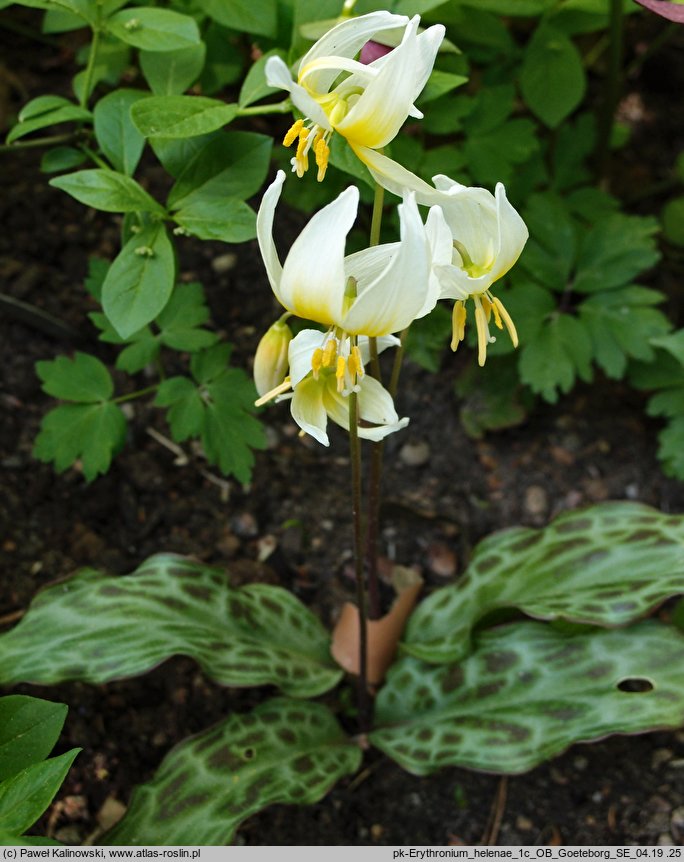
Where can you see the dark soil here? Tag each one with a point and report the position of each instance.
(596, 444)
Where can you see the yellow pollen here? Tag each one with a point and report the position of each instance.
(458, 320)
(293, 133)
(339, 372)
(487, 305)
(329, 353)
(322, 151)
(510, 326)
(482, 333)
(283, 387)
(497, 315)
(301, 146)
(317, 360)
(358, 362)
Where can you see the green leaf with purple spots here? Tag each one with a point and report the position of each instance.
(284, 751)
(526, 693)
(95, 627)
(605, 565)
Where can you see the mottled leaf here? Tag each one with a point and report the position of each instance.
(94, 627)
(605, 565)
(284, 751)
(526, 693)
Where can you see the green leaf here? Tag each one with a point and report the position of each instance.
(552, 79)
(83, 378)
(139, 281)
(673, 220)
(429, 337)
(231, 164)
(66, 114)
(573, 145)
(180, 321)
(61, 21)
(549, 254)
(526, 693)
(228, 220)
(107, 190)
(250, 16)
(154, 29)
(174, 154)
(141, 352)
(492, 156)
(113, 59)
(605, 565)
(671, 449)
(186, 407)
(254, 87)
(97, 273)
(492, 399)
(181, 116)
(284, 751)
(100, 627)
(622, 324)
(439, 84)
(90, 432)
(614, 251)
(170, 73)
(26, 795)
(61, 159)
(119, 139)
(42, 105)
(29, 729)
(222, 67)
(561, 351)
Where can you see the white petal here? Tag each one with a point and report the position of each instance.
(313, 279)
(346, 40)
(455, 283)
(376, 407)
(264, 229)
(366, 265)
(395, 178)
(428, 46)
(383, 106)
(300, 352)
(513, 234)
(391, 301)
(308, 410)
(278, 75)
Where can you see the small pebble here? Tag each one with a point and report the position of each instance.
(415, 454)
(244, 525)
(441, 560)
(224, 263)
(536, 500)
(677, 823)
(524, 824)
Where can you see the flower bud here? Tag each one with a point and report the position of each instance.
(271, 360)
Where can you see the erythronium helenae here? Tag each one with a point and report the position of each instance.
(578, 662)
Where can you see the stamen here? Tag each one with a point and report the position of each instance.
(283, 387)
(339, 372)
(293, 133)
(330, 353)
(322, 151)
(458, 321)
(482, 332)
(358, 361)
(507, 319)
(301, 146)
(317, 360)
(487, 306)
(497, 315)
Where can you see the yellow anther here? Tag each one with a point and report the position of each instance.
(301, 146)
(482, 333)
(322, 151)
(487, 306)
(317, 360)
(340, 372)
(458, 320)
(510, 326)
(293, 133)
(358, 361)
(495, 310)
(329, 353)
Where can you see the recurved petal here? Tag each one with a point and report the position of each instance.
(264, 229)
(513, 234)
(402, 290)
(308, 410)
(394, 177)
(278, 75)
(377, 408)
(313, 281)
(300, 352)
(346, 40)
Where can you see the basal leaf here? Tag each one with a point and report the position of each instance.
(154, 29)
(181, 116)
(140, 280)
(526, 693)
(94, 627)
(29, 729)
(107, 190)
(26, 795)
(284, 751)
(605, 565)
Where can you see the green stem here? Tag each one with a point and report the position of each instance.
(94, 157)
(355, 456)
(50, 141)
(139, 393)
(612, 88)
(257, 110)
(90, 67)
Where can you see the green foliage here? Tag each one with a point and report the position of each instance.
(215, 407)
(528, 691)
(95, 628)
(606, 566)
(154, 29)
(181, 116)
(46, 111)
(29, 728)
(493, 398)
(116, 135)
(90, 428)
(283, 751)
(107, 190)
(170, 73)
(552, 79)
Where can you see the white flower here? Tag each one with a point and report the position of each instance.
(475, 238)
(366, 104)
(374, 292)
(324, 369)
